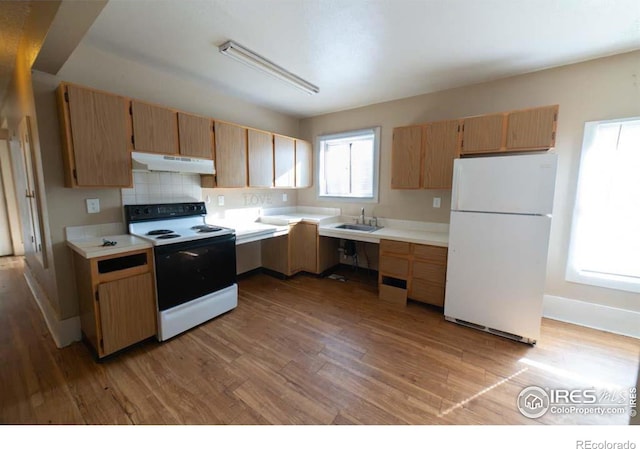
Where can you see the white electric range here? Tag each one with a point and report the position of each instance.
(195, 263)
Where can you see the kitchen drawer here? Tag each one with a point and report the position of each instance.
(436, 254)
(392, 294)
(427, 292)
(394, 266)
(391, 246)
(427, 271)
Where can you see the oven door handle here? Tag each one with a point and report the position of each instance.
(193, 244)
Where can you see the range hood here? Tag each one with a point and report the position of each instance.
(177, 164)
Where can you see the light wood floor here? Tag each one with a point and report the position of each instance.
(301, 351)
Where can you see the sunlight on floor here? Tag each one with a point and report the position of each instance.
(480, 393)
(569, 374)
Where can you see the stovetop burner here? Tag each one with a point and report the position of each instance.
(172, 223)
(206, 228)
(168, 236)
(160, 232)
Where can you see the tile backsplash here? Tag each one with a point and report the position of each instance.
(162, 187)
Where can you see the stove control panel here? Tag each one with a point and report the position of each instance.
(146, 212)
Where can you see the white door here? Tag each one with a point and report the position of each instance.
(32, 213)
(6, 248)
(522, 184)
(496, 271)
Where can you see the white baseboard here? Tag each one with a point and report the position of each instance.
(64, 332)
(596, 316)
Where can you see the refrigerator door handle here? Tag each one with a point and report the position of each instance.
(455, 193)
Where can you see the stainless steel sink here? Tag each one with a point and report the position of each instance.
(359, 227)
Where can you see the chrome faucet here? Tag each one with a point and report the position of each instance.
(362, 215)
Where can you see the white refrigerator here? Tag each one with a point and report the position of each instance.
(498, 243)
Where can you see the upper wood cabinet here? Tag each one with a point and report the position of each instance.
(304, 173)
(483, 134)
(260, 149)
(284, 158)
(155, 129)
(532, 129)
(99, 130)
(406, 157)
(96, 133)
(195, 135)
(441, 147)
(231, 155)
(513, 131)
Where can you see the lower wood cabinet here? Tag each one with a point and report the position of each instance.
(302, 249)
(117, 299)
(410, 270)
(428, 274)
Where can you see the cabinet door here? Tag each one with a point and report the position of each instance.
(127, 311)
(442, 146)
(429, 253)
(303, 247)
(275, 254)
(393, 246)
(155, 129)
(406, 157)
(532, 129)
(427, 292)
(196, 136)
(96, 137)
(483, 134)
(428, 274)
(397, 267)
(260, 158)
(231, 155)
(427, 271)
(304, 165)
(284, 155)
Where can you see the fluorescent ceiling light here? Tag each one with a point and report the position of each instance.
(246, 56)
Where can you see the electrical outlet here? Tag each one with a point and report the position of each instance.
(93, 205)
(436, 202)
(285, 197)
(220, 200)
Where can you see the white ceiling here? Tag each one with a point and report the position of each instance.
(362, 52)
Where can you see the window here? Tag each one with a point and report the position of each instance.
(605, 239)
(348, 165)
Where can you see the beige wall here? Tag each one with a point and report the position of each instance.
(95, 68)
(247, 199)
(18, 104)
(606, 88)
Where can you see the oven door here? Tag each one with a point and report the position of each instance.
(188, 270)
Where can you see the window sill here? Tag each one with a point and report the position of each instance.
(602, 280)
